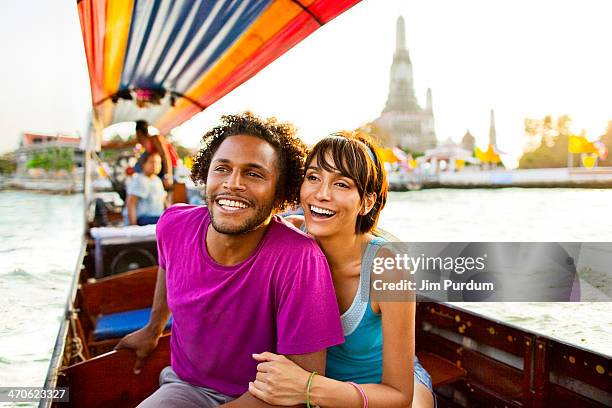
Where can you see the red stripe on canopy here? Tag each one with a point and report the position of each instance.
(92, 14)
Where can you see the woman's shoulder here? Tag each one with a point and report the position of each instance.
(296, 220)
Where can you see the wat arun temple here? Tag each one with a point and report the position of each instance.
(406, 123)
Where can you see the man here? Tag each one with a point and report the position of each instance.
(146, 197)
(160, 145)
(237, 279)
(151, 144)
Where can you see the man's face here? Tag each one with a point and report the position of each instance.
(241, 184)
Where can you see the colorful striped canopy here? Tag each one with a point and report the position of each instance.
(165, 60)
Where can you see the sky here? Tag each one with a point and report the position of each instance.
(520, 58)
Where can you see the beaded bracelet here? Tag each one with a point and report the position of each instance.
(362, 392)
(308, 388)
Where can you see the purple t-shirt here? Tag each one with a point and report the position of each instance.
(280, 299)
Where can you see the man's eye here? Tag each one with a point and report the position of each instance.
(220, 169)
(251, 174)
(342, 185)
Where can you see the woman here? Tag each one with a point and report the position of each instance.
(343, 192)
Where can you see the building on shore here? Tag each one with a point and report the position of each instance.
(33, 144)
(468, 142)
(403, 119)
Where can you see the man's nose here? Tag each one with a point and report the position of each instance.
(234, 181)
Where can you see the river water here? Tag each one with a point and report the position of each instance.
(40, 238)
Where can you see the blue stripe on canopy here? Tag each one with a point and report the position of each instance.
(173, 43)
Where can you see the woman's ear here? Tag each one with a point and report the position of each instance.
(368, 203)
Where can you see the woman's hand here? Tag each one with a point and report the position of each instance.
(279, 380)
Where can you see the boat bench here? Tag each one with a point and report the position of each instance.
(116, 325)
(441, 370)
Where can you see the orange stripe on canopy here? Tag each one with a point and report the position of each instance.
(119, 17)
(280, 27)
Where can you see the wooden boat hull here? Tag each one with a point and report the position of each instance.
(474, 360)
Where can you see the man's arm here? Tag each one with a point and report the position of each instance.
(132, 203)
(162, 148)
(309, 362)
(144, 341)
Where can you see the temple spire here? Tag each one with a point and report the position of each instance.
(400, 35)
(429, 106)
(492, 132)
(401, 88)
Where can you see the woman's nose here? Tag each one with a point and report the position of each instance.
(322, 192)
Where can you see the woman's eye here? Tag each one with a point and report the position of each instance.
(311, 178)
(220, 169)
(342, 185)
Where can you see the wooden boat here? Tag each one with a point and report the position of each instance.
(474, 361)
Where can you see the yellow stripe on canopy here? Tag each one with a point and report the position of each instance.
(280, 13)
(118, 20)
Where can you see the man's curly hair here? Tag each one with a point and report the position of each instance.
(282, 136)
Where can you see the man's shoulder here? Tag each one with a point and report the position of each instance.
(286, 237)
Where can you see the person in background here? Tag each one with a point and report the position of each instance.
(160, 145)
(146, 197)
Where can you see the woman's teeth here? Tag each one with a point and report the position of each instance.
(321, 211)
(231, 205)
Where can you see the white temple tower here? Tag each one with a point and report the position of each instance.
(409, 125)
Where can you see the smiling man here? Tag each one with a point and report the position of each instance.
(237, 279)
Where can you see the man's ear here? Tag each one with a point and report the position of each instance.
(368, 203)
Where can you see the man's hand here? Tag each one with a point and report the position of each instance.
(143, 342)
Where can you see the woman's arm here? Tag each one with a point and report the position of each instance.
(281, 382)
(269, 361)
(397, 384)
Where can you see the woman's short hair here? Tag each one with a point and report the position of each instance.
(354, 155)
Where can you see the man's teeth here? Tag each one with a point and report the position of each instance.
(231, 204)
(322, 211)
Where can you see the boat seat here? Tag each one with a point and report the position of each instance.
(119, 324)
(441, 370)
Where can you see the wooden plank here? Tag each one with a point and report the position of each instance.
(109, 381)
(540, 374)
(495, 375)
(587, 367)
(441, 370)
(479, 395)
(562, 397)
(119, 293)
(179, 193)
(482, 330)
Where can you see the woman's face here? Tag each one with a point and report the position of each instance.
(330, 200)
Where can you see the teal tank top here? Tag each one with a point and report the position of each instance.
(359, 358)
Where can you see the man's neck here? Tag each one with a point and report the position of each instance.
(229, 250)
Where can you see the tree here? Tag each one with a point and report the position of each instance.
(7, 164)
(547, 141)
(381, 136)
(56, 158)
(606, 139)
